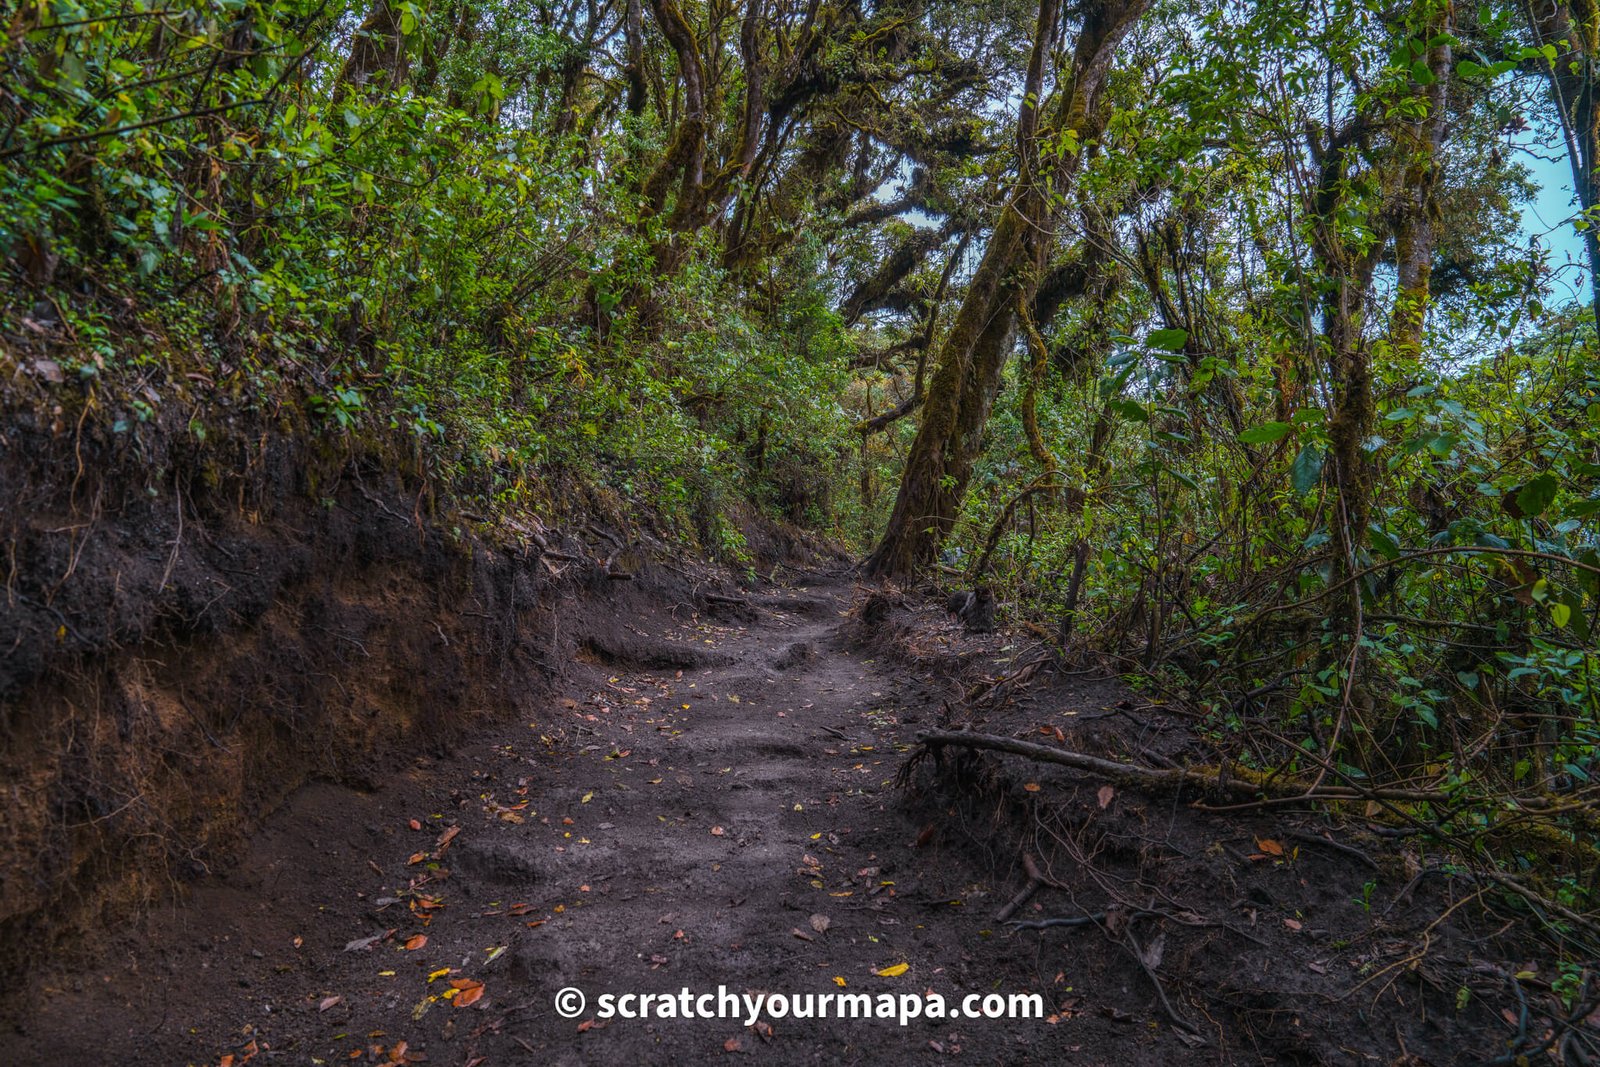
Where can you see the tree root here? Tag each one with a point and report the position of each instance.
(1232, 780)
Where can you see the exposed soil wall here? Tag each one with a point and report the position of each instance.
(183, 647)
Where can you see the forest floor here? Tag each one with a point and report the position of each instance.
(723, 811)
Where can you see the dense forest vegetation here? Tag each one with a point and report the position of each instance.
(1210, 337)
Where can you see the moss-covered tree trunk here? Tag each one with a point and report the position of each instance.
(973, 356)
(377, 59)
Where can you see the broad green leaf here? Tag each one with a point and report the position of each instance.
(1537, 495)
(1264, 434)
(1131, 410)
(1382, 543)
(1168, 340)
(1307, 469)
(1182, 477)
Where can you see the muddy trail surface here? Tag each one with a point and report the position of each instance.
(716, 808)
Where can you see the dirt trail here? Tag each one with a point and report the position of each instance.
(672, 823)
(712, 807)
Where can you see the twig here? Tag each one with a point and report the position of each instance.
(1149, 972)
(1327, 842)
(1035, 879)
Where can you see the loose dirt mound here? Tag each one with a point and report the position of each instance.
(737, 823)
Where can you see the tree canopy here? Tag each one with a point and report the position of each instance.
(1208, 335)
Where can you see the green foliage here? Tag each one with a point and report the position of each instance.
(402, 259)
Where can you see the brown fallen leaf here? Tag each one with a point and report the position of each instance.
(328, 1002)
(1105, 795)
(447, 837)
(585, 1025)
(1269, 846)
(1032, 787)
(731, 1045)
(717, 831)
(415, 824)
(468, 992)
(1293, 924)
(415, 942)
(820, 923)
(416, 858)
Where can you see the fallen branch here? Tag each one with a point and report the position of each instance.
(1169, 780)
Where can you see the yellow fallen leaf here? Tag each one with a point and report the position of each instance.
(586, 798)
(893, 972)
(839, 981)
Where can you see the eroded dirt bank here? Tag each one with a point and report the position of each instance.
(712, 803)
(185, 642)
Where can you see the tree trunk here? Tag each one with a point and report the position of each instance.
(1417, 212)
(377, 55)
(683, 161)
(1572, 27)
(973, 356)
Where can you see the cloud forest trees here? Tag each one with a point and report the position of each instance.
(1212, 334)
